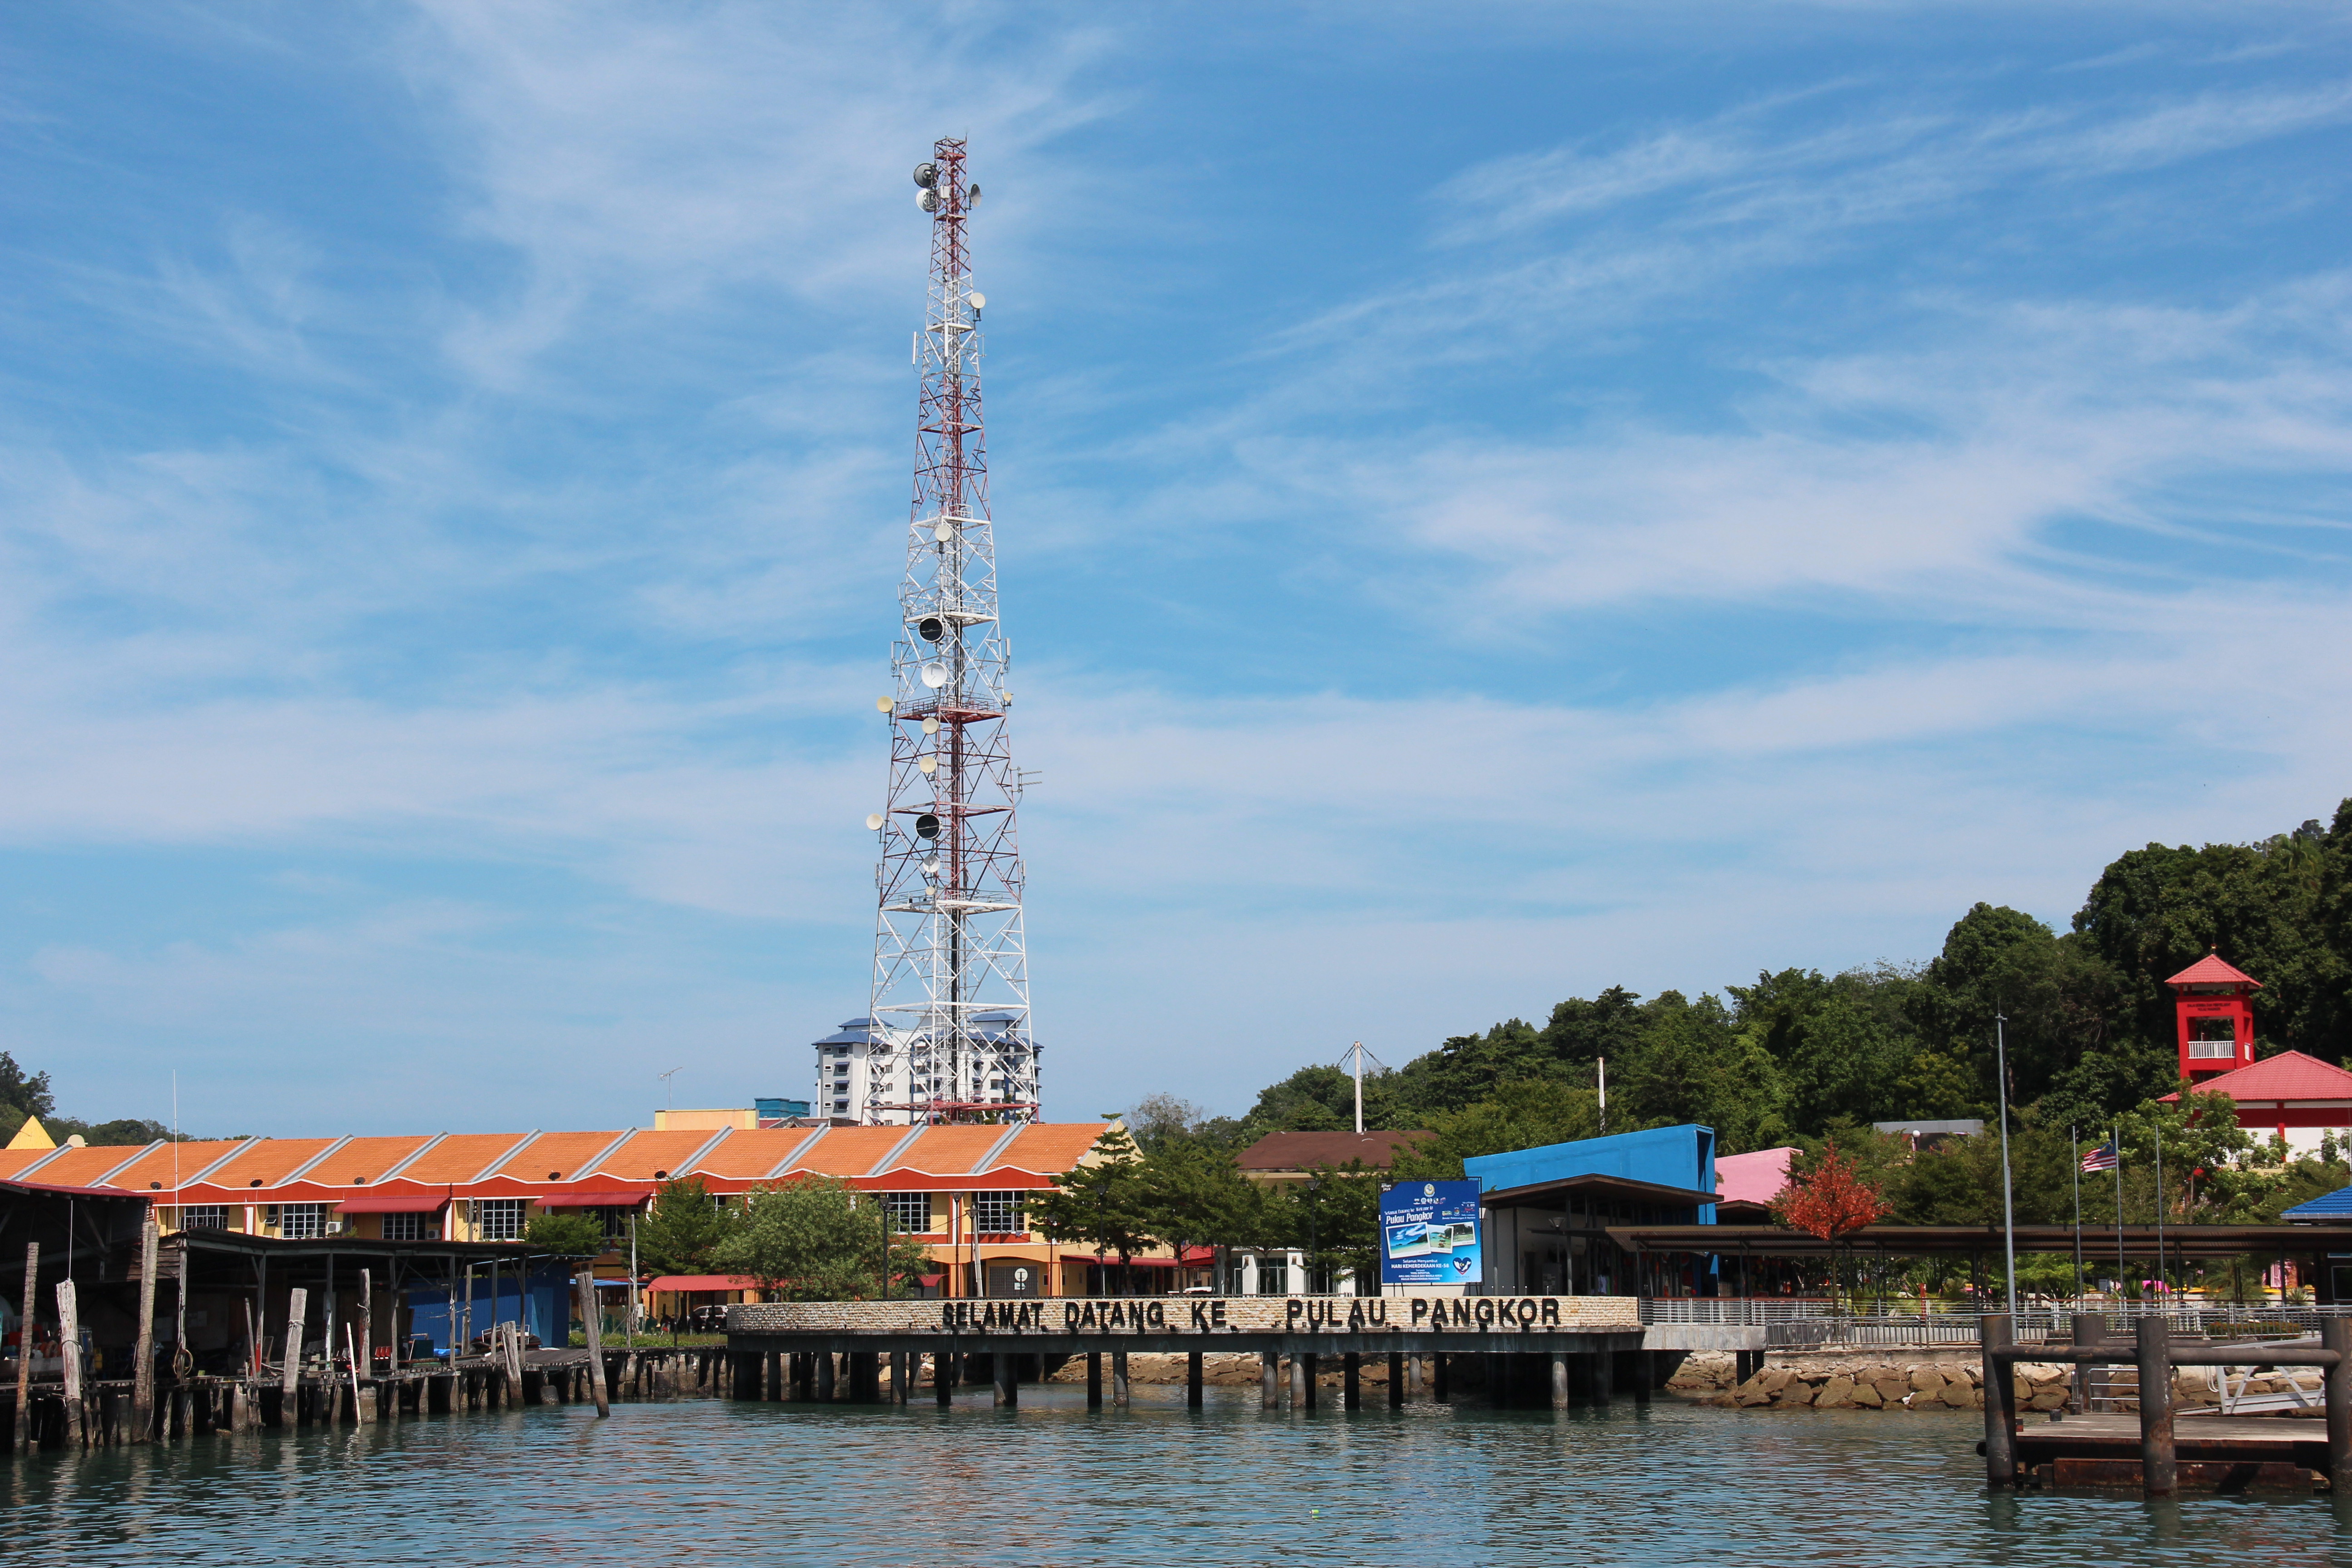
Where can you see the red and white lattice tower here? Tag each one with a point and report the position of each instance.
(949, 1039)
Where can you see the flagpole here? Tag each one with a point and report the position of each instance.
(2074, 1141)
(2115, 1139)
(2008, 1209)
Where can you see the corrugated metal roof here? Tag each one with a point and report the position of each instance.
(2337, 1204)
(2290, 1075)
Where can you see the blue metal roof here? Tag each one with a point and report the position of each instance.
(2337, 1204)
(1668, 1156)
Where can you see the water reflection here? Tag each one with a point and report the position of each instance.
(1053, 1483)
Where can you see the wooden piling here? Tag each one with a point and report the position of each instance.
(1269, 1379)
(1396, 1380)
(143, 1365)
(824, 1380)
(1560, 1380)
(366, 1352)
(1995, 1333)
(1118, 1379)
(2336, 1334)
(2159, 1475)
(2086, 1329)
(298, 1304)
(1008, 1379)
(1299, 1384)
(592, 1318)
(362, 1410)
(69, 1343)
(1094, 1380)
(1193, 1380)
(21, 1436)
(1350, 1375)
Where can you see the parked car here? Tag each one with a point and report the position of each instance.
(707, 1321)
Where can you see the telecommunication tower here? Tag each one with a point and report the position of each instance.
(949, 1037)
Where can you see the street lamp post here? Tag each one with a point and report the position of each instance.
(2007, 1207)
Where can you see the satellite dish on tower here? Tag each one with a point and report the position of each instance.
(927, 827)
(944, 532)
(874, 821)
(882, 705)
(927, 173)
(935, 674)
(931, 628)
(928, 199)
(928, 764)
(979, 299)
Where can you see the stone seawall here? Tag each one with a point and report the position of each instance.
(1920, 1381)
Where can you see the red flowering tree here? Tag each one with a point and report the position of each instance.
(1832, 1200)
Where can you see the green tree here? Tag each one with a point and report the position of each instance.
(1335, 1217)
(570, 1234)
(817, 1238)
(1104, 1200)
(1690, 1063)
(682, 1232)
(1522, 1115)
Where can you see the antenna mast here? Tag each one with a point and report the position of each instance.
(949, 1037)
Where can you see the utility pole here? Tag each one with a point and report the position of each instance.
(1358, 1049)
(950, 1039)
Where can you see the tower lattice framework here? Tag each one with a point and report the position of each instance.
(951, 999)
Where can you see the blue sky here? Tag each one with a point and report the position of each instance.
(1493, 502)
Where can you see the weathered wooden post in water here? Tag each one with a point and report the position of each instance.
(142, 1368)
(1560, 1380)
(1269, 1379)
(2158, 1473)
(590, 1319)
(2336, 1334)
(1995, 1333)
(290, 1406)
(1119, 1378)
(23, 1436)
(69, 1343)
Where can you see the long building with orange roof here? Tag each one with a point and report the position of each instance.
(960, 1189)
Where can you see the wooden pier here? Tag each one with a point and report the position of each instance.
(1548, 1349)
(2149, 1451)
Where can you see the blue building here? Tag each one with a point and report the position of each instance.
(542, 1303)
(1546, 1213)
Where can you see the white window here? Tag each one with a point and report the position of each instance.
(909, 1212)
(499, 1219)
(302, 1222)
(204, 1216)
(411, 1228)
(996, 1214)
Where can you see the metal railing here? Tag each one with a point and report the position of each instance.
(1798, 1322)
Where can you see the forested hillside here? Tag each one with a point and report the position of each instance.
(1796, 1055)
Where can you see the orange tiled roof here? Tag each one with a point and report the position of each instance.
(15, 1159)
(83, 1167)
(949, 1150)
(651, 1156)
(555, 1156)
(1050, 1147)
(271, 1162)
(365, 1160)
(459, 1157)
(158, 1168)
(851, 1151)
(750, 1156)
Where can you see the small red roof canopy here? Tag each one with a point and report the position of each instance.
(2290, 1075)
(703, 1282)
(2212, 970)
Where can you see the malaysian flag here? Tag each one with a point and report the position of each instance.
(2106, 1157)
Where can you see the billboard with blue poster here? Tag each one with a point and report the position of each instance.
(1429, 1233)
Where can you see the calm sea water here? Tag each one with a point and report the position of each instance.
(1052, 1483)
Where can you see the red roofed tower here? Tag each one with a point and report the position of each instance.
(2216, 1017)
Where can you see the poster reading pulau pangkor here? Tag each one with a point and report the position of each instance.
(1429, 1233)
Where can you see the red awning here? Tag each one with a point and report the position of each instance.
(392, 1203)
(611, 1200)
(703, 1282)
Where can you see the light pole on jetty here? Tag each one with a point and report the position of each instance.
(949, 1037)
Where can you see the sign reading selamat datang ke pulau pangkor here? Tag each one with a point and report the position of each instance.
(1429, 1233)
